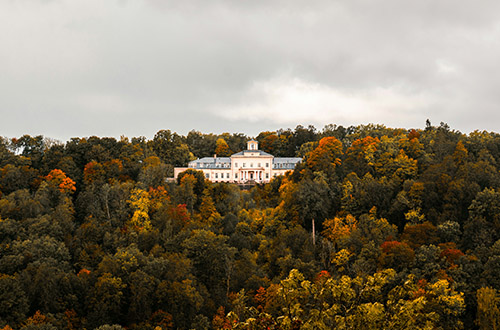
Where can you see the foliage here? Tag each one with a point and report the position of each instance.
(406, 232)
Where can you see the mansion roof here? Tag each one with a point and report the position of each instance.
(251, 153)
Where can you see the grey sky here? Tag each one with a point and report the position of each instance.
(117, 67)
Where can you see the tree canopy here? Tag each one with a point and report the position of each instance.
(377, 228)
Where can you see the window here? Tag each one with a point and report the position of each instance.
(258, 165)
(267, 175)
(236, 175)
(207, 176)
(267, 164)
(251, 164)
(227, 175)
(244, 164)
(216, 175)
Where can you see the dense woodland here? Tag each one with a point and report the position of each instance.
(407, 232)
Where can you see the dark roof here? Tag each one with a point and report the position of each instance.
(212, 160)
(287, 160)
(261, 153)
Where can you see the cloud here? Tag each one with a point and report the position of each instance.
(80, 67)
(289, 100)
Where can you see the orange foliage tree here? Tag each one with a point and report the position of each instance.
(94, 172)
(61, 181)
(339, 228)
(326, 156)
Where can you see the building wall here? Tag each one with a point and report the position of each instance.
(179, 170)
(249, 165)
(221, 175)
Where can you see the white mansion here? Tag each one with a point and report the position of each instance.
(247, 166)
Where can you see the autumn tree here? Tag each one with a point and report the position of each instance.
(139, 203)
(58, 179)
(488, 312)
(222, 149)
(326, 156)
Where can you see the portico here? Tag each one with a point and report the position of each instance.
(251, 174)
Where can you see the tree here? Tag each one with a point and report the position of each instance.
(267, 141)
(483, 224)
(212, 258)
(222, 149)
(354, 303)
(326, 156)
(208, 212)
(13, 301)
(201, 145)
(397, 255)
(185, 192)
(171, 149)
(58, 179)
(338, 229)
(139, 203)
(153, 173)
(106, 300)
(488, 312)
(360, 156)
(141, 304)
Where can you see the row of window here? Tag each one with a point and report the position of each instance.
(227, 165)
(251, 165)
(216, 175)
(209, 165)
(284, 165)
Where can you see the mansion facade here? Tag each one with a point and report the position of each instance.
(247, 166)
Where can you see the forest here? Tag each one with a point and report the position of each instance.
(406, 232)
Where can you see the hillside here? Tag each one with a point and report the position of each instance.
(407, 232)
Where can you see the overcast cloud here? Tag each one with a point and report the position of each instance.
(117, 67)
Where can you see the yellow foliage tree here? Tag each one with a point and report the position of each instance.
(139, 202)
(222, 148)
(208, 212)
(338, 228)
(488, 311)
